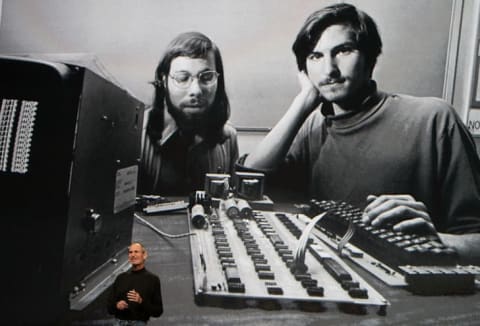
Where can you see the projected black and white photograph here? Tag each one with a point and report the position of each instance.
(254, 162)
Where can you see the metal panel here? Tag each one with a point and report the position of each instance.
(77, 131)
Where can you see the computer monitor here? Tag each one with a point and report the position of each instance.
(69, 153)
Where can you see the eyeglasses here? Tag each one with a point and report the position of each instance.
(183, 79)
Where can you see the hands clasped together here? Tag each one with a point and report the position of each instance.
(132, 296)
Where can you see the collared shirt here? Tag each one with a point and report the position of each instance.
(177, 163)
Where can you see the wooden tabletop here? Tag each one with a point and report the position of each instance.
(170, 259)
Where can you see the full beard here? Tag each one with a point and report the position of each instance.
(187, 121)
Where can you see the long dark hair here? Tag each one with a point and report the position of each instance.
(367, 36)
(193, 45)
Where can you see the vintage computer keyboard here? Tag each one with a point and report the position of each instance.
(393, 248)
(427, 265)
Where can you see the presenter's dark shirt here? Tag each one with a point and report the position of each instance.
(147, 285)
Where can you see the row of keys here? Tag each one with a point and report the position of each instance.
(391, 247)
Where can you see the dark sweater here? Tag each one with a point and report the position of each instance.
(147, 285)
(394, 144)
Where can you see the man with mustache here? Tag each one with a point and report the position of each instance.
(408, 161)
(187, 133)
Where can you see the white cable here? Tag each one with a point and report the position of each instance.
(299, 257)
(164, 234)
(346, 237)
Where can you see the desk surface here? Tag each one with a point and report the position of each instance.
(170, 259)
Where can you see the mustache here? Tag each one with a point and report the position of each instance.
(196, 101)
(329, 81)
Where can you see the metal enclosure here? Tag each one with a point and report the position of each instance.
(69, 153)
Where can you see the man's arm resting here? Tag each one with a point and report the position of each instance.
(273, 148)
(466, 245)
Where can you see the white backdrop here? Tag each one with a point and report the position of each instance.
(255, 39)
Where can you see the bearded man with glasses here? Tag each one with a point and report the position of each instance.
(187, 133)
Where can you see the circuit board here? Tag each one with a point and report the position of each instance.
(253, 258)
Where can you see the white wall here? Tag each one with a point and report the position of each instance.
(255, 38)
(466, 68)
